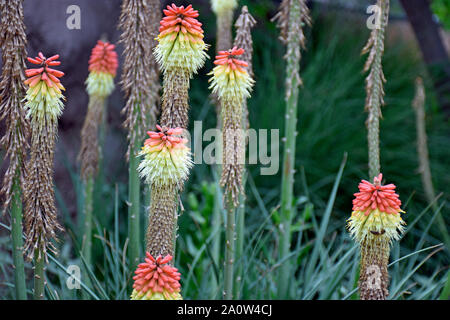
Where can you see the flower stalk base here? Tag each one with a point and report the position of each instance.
(373, 277)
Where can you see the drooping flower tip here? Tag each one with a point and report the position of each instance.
(375, 196)
(104, 58)
(167, 159)
(230, 78)
(180, 40)
(156, 280)
(44, 73)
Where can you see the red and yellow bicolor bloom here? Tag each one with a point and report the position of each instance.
(180, 40)
(156, 280)
(103, 65)
(231, 81)
(220, 6)
(43, 97)
(376, 212)
(167, 159)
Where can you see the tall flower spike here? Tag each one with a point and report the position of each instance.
(374, 224)
(103, 65)
(165, 166)
(224, 36)
(15, 141)
(292, 17)
(243, 39)
(232, 84)
(12, 91)
(180, 39)
(180, 53)
(44, 105)
(140, 83)
(140, 75)
(244, 24)
(156, 280)
(374, 87)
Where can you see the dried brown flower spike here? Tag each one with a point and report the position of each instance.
(140, 83)
(44, 106)
(374, 87)
(12, 91)
(140, 77)
(243, 39)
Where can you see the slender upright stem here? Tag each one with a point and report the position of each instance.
(99, 209)
(87, 234)
(86, 249)
(240, 233)
(134, 185)
(224, 37)
(287, 182)
(216, 229)
(16, 232)
(374, 88)
(424, 162)
(39, 275)
(229, 252)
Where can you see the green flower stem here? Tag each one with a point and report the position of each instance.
(17, 241)
(216, 229)
(86, 249)
(240, 232)
(375, 93)
(134, 185)
(87, 234)
(229, 251)
(39, 275)
(287, 182)
(99, 208)
(424, 161)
